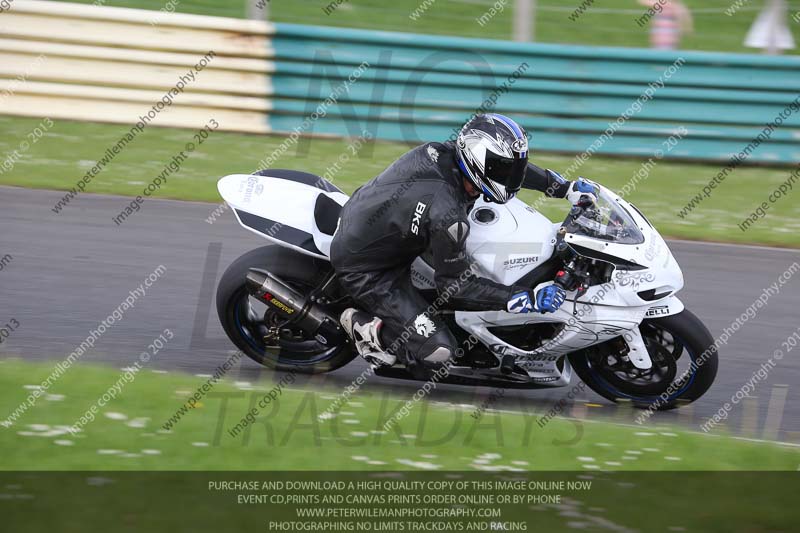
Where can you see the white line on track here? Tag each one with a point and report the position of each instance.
(733, 245)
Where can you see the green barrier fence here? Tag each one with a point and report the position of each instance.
(614, 101)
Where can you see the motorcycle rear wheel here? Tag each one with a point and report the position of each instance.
(667, 338)
(246, 320)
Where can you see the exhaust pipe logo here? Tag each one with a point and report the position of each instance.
(277, 303)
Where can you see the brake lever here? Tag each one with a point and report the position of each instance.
(578, 293)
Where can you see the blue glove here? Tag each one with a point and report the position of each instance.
(582, 193)
(520, 302)
(548, 299)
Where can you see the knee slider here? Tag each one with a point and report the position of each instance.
(437, 350)
(434, 350)
(440, 355)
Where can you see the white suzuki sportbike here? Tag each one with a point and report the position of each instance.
(622, 329)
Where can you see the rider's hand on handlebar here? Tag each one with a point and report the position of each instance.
(547, 300)
(582, 193)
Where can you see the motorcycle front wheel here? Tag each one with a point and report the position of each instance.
(684, 364)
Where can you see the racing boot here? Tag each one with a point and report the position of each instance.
(364, 329)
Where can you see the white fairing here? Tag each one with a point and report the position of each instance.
(602, 313)
(506, 242)
(280, 209)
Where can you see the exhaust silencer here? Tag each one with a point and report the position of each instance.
(294, 307)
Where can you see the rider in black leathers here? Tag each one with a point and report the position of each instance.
(420, 203)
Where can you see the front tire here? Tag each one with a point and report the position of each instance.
(246, 321)
(667, 339)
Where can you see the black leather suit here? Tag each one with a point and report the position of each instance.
(418, 203)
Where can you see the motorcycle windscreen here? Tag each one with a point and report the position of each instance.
(279, 206)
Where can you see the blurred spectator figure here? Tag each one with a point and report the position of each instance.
(671, 19)
(770, 31)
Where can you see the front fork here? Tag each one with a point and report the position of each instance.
(637, 351)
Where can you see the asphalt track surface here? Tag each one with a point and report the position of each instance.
(71, 270)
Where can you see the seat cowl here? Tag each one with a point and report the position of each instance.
(326, 214)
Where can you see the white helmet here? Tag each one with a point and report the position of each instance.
(492, 151)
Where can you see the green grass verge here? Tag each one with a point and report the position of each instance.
(596, 26)
(70, 149)
(232, 8)
(288, 434)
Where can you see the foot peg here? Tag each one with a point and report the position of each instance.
(379, 359)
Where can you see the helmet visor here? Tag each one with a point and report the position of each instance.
(506, 171)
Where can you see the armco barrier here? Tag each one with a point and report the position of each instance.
(94, 63)
(106, 64)
(424, 87)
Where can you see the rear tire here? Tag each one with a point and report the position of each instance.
(245, 327)
(687, 386)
